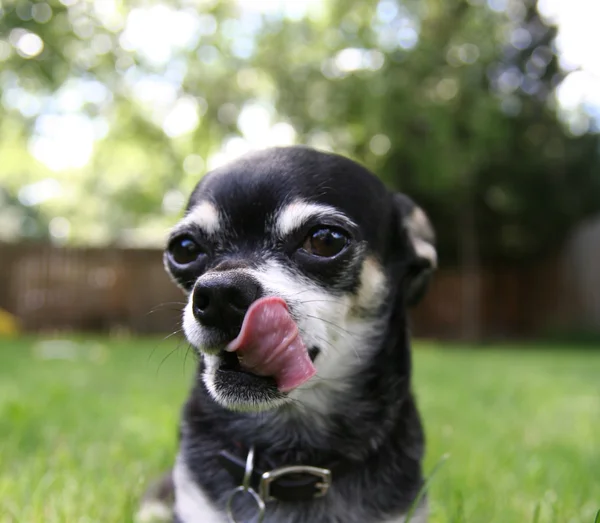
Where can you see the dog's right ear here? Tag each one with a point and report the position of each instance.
(414, 225)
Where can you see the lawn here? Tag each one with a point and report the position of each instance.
(84, 426)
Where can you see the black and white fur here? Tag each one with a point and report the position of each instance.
(250, 219)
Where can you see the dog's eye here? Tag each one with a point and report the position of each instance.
(184, 250)
(325, 242)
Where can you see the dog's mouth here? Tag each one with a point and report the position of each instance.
(266, 361)
(239, 389)
(230, 362)
(269, 345)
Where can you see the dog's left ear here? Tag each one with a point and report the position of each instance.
(415, 226)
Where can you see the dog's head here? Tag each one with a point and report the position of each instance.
(316, 247)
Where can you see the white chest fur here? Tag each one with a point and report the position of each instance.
(191, 504)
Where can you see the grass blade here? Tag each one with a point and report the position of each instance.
(536, 513)
(426, 483)
(459, 516)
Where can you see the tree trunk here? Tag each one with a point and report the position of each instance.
(470, 267)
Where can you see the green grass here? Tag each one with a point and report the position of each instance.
(80, 437)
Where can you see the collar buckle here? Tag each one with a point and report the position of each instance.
(321, 486)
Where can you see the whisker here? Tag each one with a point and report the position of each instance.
(336, 349)
(341, 329)
(337, 302)
(165, 306)
(161, 341)
(187, 351)
(326, 341)
(167, 357)
(299, 292)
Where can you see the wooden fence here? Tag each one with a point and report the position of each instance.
(58, 289)
(54, 289)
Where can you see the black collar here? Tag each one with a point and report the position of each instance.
(286, 483)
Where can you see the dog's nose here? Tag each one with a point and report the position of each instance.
(221, 299)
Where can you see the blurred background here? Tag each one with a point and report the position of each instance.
(486, 112)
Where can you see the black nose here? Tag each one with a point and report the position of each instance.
(221, 299)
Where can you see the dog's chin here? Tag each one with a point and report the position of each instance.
(238, 390)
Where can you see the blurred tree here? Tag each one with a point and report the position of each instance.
(72, 70)
(451, 101)
(461, 116)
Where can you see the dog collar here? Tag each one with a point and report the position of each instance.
(288, 483)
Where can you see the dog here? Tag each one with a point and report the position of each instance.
(299, 267)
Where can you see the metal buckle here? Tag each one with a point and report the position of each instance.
(245, 488)
(268, 477)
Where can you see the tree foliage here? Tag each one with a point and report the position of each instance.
(450, 101)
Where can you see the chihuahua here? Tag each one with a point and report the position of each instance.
(299, 267)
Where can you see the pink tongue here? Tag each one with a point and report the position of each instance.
(269, 345)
